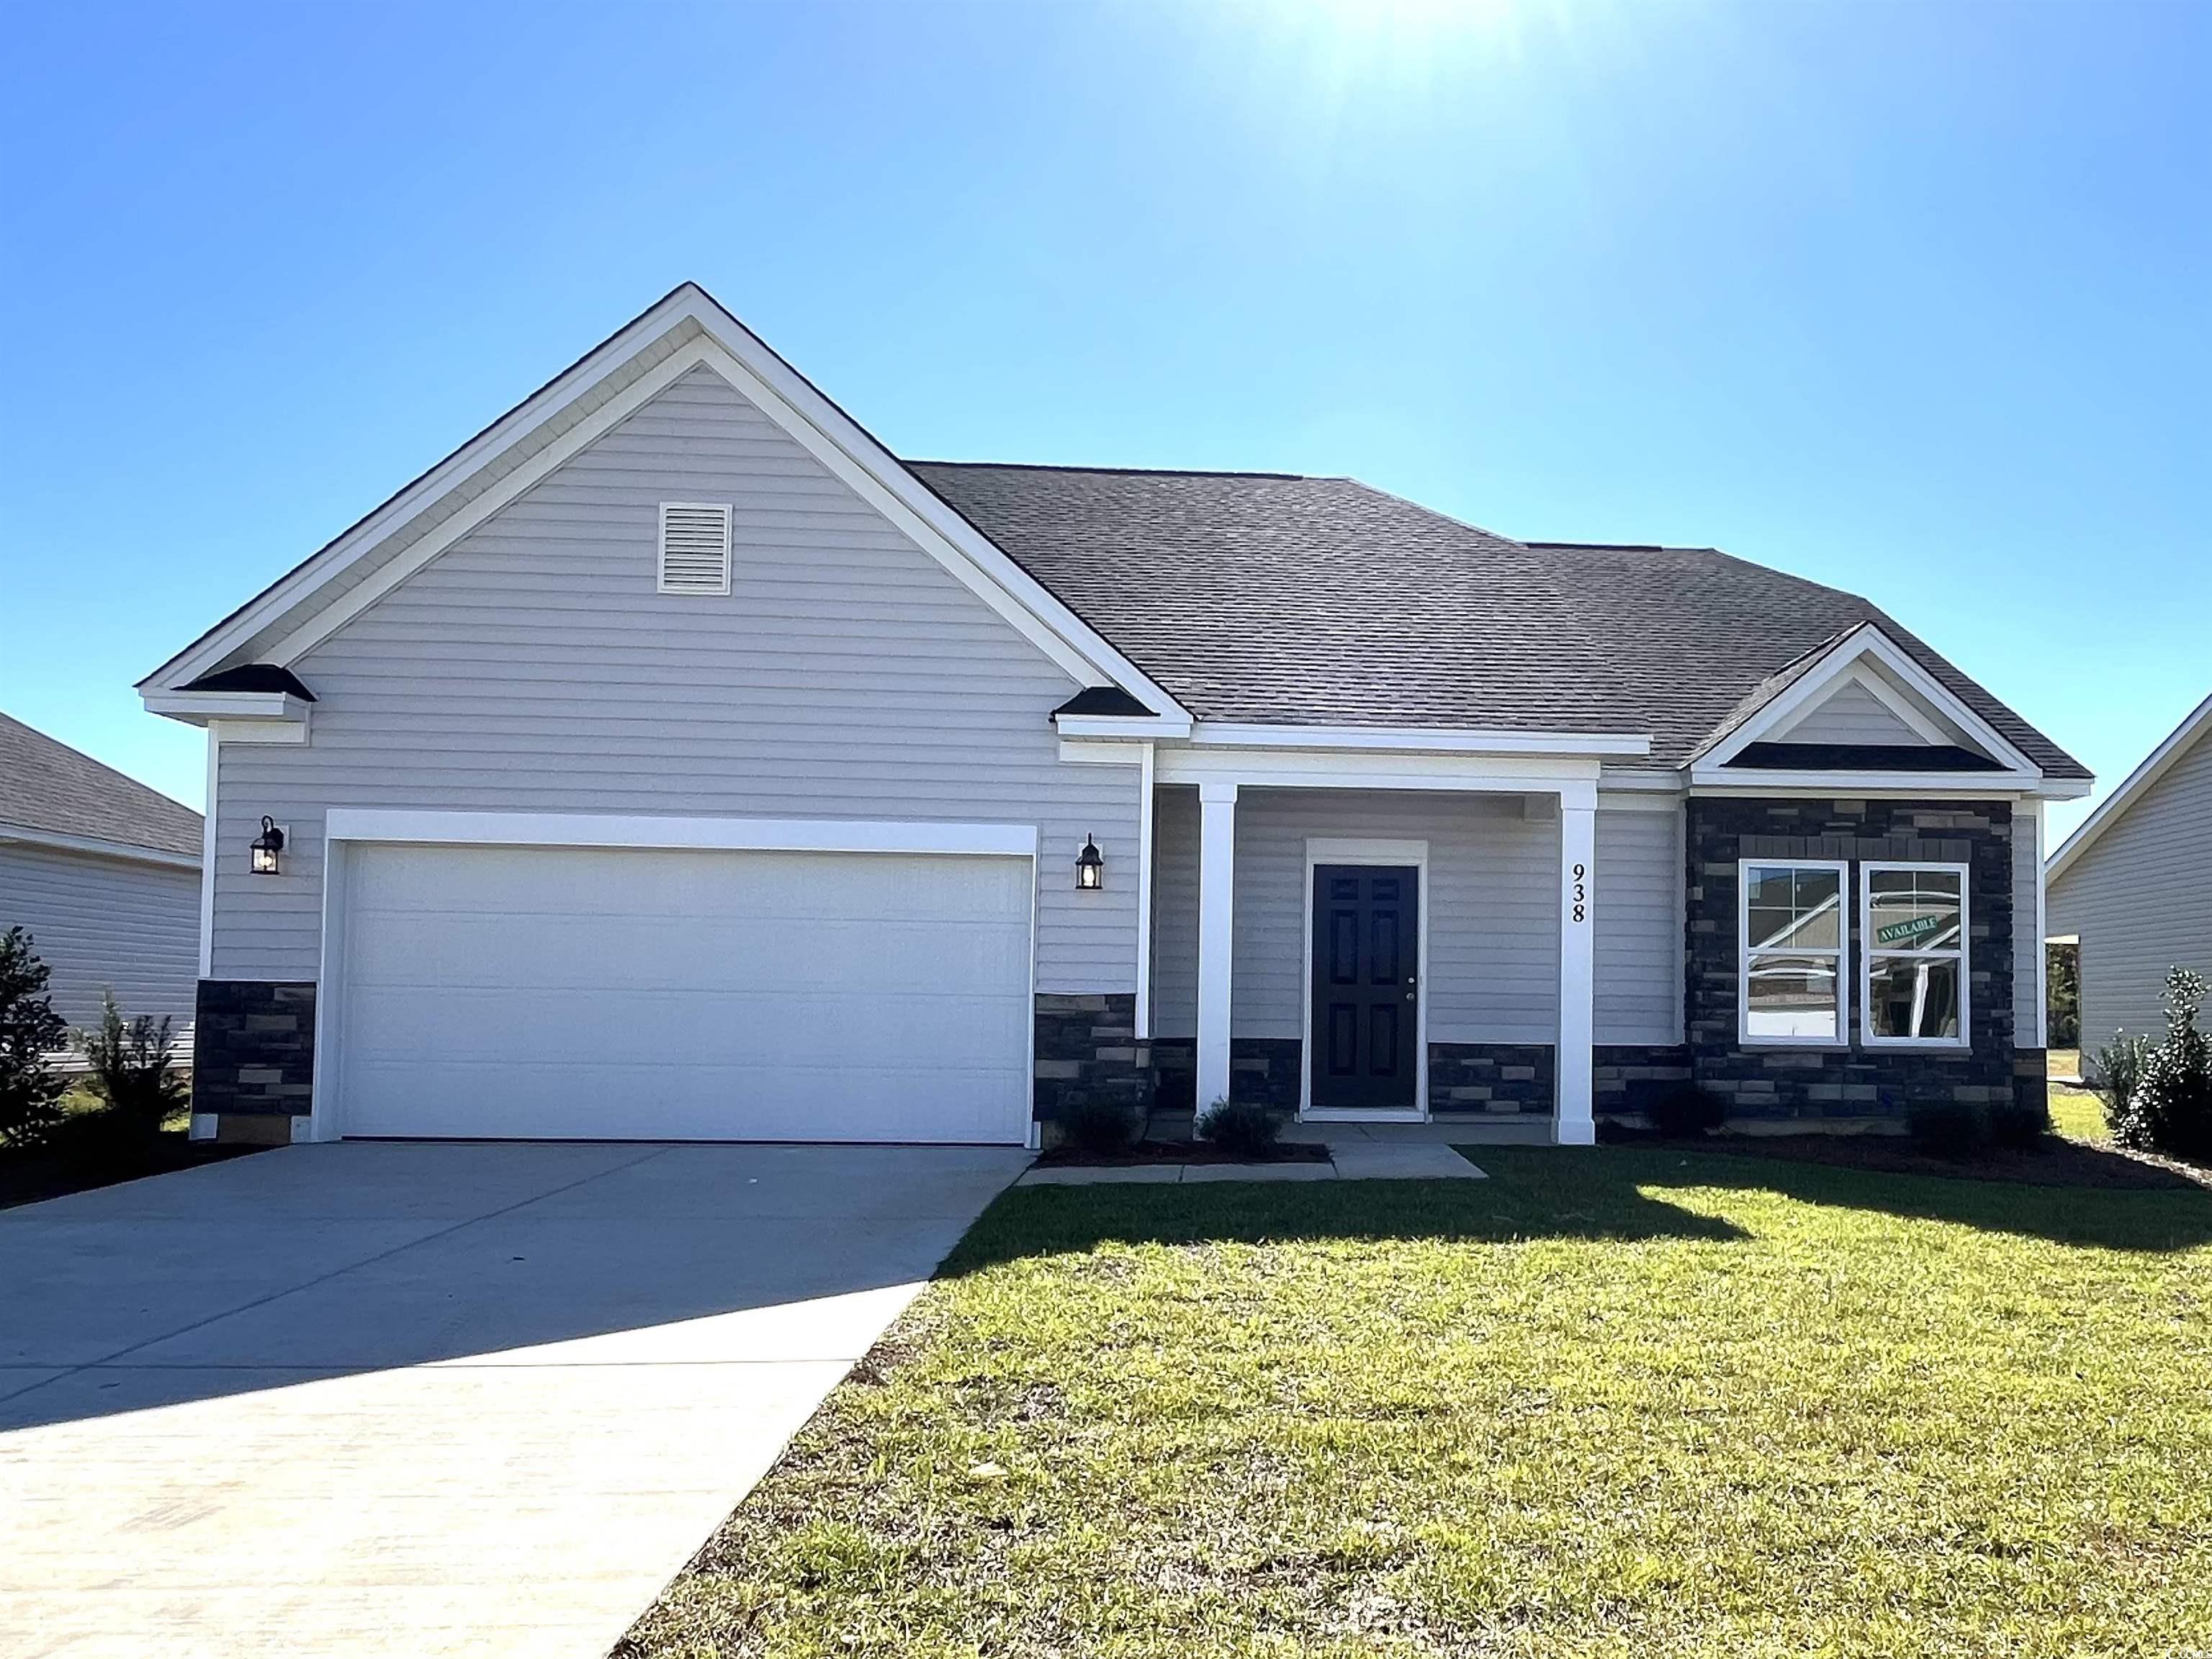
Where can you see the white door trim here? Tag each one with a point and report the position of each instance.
(1338, 849)
(345, 825)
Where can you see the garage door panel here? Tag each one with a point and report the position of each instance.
(638, 994)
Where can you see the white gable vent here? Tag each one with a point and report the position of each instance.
(695, 548)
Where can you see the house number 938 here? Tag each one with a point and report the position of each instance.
(1582, 892)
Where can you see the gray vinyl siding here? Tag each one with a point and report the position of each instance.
(1493, 909)
(533, 667)
(1853, 714)
(2141, 900)
(1637, 920)
(103, 923)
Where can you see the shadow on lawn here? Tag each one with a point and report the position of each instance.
(1545, 1196)
(2162, 1218)
(1608, 1193)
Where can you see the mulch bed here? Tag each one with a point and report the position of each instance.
(1178, 1151)
(51, 1172)
(2053, 1162)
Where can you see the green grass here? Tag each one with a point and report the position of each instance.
(2079, 1115)
(1624, 1402)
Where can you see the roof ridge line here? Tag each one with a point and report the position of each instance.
(1130, 472)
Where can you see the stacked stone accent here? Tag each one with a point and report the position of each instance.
(253, 1056)
(1264, 1069)
(1087, 1050)
(1854, 1086)
(1492, 1078)
(2031, 1082)
(1626, 1079)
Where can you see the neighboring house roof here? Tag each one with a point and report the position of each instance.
(2162, 760)
(51, 790)
(1270, 596)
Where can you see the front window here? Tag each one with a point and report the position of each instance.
(1792, 930)
(1914, 926)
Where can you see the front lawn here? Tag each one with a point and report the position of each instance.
(1622, 1402)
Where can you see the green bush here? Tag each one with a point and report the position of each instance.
(30, 1090)
(1243, 1129)
(1948, 1128)
(2169, 1108)
(131, 1071)
(2113, 1072)
(1102, 1125)
(1686, 1112)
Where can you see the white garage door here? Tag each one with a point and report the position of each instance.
(603, 994)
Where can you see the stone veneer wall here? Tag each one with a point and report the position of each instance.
(254, 1055)
(1868, 1087)
(1086, 1050)
(1497, 1077)
(1265, 1069)
(1626, 1079)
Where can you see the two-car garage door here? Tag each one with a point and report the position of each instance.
(608, 993)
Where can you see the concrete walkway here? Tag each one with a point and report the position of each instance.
(1358, 1159)
(412, 1400)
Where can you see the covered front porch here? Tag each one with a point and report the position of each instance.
(1375, 938)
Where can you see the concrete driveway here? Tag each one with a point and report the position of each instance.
(405, 1398)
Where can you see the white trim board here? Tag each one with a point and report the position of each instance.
(1364, 850)
(726, 346)
(1417, 739)
(2155, 765)
(733, 835)
(1864, 642)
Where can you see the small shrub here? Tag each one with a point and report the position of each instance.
(2113, 1072)
(1948, 1128)
(131, 1071)
(30, 1030)
(1686, 1112)
(1243, 1129)
(2170, 1109)
(1102, 1127)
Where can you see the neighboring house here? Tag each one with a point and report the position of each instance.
(672, 760)
(104, 874)
(2133, 886)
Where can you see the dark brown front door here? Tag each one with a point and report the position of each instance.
(1366, 991)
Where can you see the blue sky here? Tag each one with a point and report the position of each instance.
(1914, 300)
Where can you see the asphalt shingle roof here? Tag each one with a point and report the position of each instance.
(1268, 596)
(48, 786)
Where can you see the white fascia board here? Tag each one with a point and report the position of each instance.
(2155, 765)
(94, 847)
(1867, 640)
(1417, 739)
(703, 834)
(1305, 768)
(199, 708)
(732, 351)
(1146, 728)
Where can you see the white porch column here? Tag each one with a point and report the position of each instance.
(1216, 908)
(1575, 1126)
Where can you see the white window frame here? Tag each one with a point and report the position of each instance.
(1868, 951)
(1842, 951)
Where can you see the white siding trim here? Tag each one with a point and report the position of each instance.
(1216, 936)
(2042, 953)
(207, 857)
(1143, 1023)
(1362, 850)
(1417, 739)
(738, 835)
(1293, 768)
(1574, 1121)
(1882, 692)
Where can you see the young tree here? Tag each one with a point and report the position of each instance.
(129, 1065)
(30, 1030)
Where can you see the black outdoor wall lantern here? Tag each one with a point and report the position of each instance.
(266, 847)
(1089, 868)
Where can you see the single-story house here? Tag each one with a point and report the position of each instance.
(672, 760)
(104, 874)
(2132, 886)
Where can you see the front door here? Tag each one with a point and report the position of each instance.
(1366, 986)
